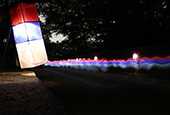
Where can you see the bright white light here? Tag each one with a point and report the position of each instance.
(5, 40)
(58, 37)
(135, 56)
(77, 59)
(42, 18)
(95, 58)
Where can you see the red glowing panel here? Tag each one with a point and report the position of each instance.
(23, 13)
(134, 52)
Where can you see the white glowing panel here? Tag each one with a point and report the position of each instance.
(32, 54)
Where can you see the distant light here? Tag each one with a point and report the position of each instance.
(77, 59)
(5, 40)
(95, 58)
(135, 55)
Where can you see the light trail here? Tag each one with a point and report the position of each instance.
(104, 64)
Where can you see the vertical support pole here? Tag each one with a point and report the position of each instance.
(9, 34)
(3, 60)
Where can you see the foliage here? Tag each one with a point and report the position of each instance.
(91, 24)
(102, 24)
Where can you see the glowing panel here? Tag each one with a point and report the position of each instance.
(23, 13)
(29, 31)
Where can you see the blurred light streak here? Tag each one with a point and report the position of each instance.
(104, 64)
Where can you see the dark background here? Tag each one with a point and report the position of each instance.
(93, 26)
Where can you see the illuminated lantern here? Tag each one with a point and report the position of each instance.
(27, 34)
(95, 58)
(135, 56)
(77, 59)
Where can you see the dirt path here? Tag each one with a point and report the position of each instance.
(23, 93)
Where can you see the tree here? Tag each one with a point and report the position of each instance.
(113, 22)
(104, 24)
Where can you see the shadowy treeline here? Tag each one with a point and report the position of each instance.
(100, 25)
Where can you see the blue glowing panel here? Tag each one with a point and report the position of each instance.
(28, 31)
(34, 31)
(19, 33)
